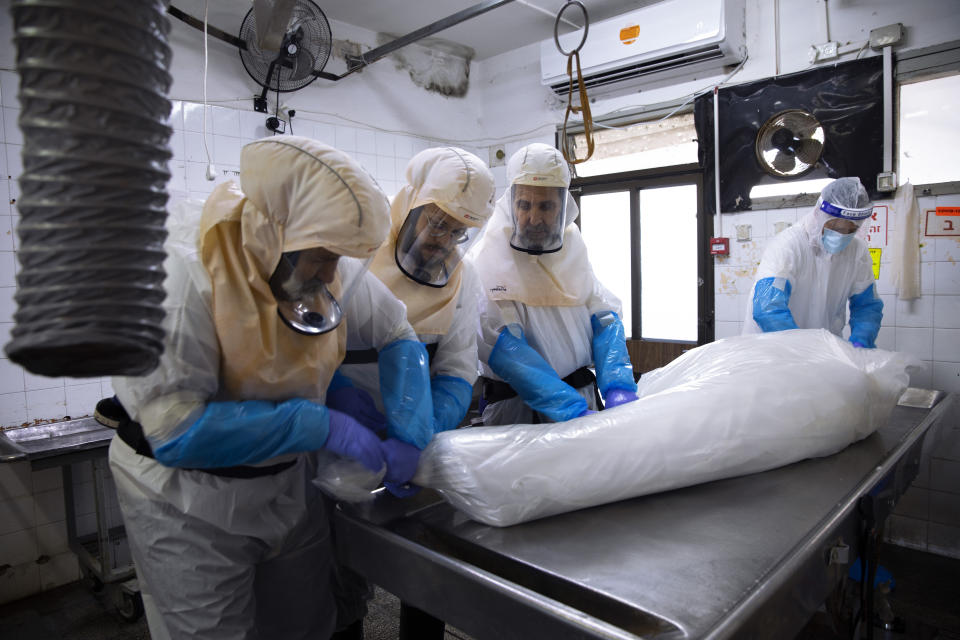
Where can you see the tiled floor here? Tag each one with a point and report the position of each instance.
(926, 597)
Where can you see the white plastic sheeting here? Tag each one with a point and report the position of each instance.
(737, 406)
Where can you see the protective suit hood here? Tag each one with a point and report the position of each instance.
(460, 184)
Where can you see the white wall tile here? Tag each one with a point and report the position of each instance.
(919, 342)
(52, 538)
(17, 514)
(9, 87)
(193, 147)
(177, 144)
(226, 150)
(252, 124)
(403, 147)
(46, 404)
(83, 500)
(775, 216)
(922, 376)
(946, 376)
(7, 306)
(34, 382)
(226, 121)
(14, 163)
(946, 249)
(193, 117)
(59, 570)
(366, 141)
(727, 307)
(346, 138)
(946, 344)
(386, 143)
(20, 581)
(325, 133)
(400, 169)
(11, 130)
(50, 506)
(12, 208)
(914, 313)
(368, 161)
(947, 279)
(386, 168)
(175, 119)
(16, 481)
(106, 387)
(13, 407)
(82, 398)
(889, 310)
(726, 329)
(19, 547)
(887, 339)
(3, 163)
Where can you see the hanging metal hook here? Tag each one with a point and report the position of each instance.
(584, 106)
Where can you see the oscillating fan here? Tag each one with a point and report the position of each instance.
(303, 53)
(789, 144)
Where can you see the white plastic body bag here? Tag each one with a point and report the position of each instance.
(736, 406)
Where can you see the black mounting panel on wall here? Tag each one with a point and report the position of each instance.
(846, 98)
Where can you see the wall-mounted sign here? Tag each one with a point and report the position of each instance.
(942, 221)
(875, 258)
(876, 226)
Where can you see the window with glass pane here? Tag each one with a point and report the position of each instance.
(929, 131)
(647, 145)
(605, 226)
(668, 263)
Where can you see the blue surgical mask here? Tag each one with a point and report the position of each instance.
(834, 241)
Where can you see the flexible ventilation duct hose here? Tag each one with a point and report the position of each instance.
(93, 84)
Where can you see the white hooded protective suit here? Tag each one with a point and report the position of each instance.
(246, 557)
(551, 295)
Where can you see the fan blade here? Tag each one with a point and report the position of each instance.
(809, 150)
(302, 65)
(784, 163)
(272, 18)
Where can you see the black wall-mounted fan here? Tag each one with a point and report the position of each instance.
(826, 122)
(789, 144)
(303, 52)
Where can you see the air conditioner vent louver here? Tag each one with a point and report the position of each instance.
(634, 71)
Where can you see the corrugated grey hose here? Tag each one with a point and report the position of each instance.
(93, 84)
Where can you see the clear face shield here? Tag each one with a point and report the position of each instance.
(431, 244)
(839, 224)
(539, 218)
(310, 291)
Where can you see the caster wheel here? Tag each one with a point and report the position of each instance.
(129, 606)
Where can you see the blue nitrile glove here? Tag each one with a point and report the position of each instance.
(405, 391)
(866, 313)
(247, 432)
(358, 404)
(616, 397)
(610, 357)
(339, 381)
(858, 345)
(770, 304)
(350, 439)
(533, 378)
(451, 399)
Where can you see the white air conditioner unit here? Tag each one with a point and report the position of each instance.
(658, 41)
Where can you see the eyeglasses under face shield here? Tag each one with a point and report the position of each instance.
(431, 244)
(539, 218)
(310, 288)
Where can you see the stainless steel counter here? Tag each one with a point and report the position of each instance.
(747, 557)
(56, 443)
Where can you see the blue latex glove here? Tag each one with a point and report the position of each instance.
(339, 381)
(770, 299)
(587, 412)
(616, 397)
(866, 313)
(405, 391)
(451, 399)
(350, 439)
(859, 345)
(247, 432)
(533, 378)
(610, 357)
(358, 404)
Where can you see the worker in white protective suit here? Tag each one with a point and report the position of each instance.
(436, 217)
(545, 318)
(214, 467)
(811, 271)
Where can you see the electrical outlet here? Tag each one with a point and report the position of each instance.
(498, 155)
(827, 51)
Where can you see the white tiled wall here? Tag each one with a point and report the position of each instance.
(928, 517)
